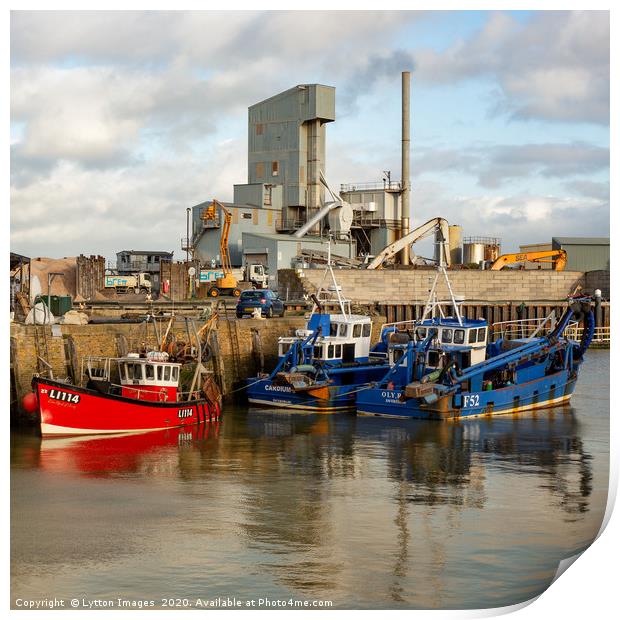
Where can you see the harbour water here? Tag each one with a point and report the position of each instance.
(358, 512)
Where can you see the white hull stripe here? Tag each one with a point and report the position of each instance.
(53, 429)
(270, 403)
(546, 403)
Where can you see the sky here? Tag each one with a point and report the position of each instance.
(122, 119)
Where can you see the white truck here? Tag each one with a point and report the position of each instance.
(254, 274)
(137, 283)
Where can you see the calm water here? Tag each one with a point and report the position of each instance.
(362, 512)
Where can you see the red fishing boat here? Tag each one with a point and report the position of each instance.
(146, 398)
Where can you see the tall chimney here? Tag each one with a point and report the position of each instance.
(404, 216)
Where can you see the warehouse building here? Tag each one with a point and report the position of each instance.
(279, 251)
(584, 253)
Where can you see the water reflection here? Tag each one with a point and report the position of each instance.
(317, 506)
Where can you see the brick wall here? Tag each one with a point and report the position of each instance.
(411, 286)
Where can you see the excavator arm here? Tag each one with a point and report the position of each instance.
(557, 257)
(437, 223)
(228, 281)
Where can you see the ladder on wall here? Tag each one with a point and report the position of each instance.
(42, 351)
(233, 337)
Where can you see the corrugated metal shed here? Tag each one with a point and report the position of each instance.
(584, 253)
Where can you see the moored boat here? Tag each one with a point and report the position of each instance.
(321, 368)
(444, 367)
(146, 398)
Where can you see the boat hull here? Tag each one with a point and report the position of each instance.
(328, 399)
(547, 391)
(70, 410)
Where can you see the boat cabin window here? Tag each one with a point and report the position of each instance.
(338, 351)
(472, 336)
(167, 370)
(366, 330)
(421, 333)
(481, 334)
(398, 354)
(333, 329)
(343, 330)
(284, 347)
(175, 373)
(133, 371)
(357, 330)
(330, 351)
(160, 373)
(433, 358)
(459, 336)
(446, 336)
(318, 352)
(150, 371)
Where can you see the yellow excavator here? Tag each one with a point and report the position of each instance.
(557, 257)
(227, 283)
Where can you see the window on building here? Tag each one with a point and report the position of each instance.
(357, 330)
(260, 169)
(275, 168)
(259, 129)
(267, 198)
(157, 259)
(246, 215)
(366, 330)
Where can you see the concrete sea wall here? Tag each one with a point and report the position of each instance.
(412, 286)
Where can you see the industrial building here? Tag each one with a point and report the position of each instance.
(286, 189)
(584, 253)
(138, 261)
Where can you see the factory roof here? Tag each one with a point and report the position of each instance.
(161, 252)
(582, 240)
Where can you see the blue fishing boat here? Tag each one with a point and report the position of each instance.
(322, 366)
(445, 367)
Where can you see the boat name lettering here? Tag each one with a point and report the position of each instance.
(390, 394)
(66, 396)
(471, 400)
(186, 413)
(278, 388)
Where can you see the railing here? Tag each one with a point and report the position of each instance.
(524, 328)
(376, 185)
(289, 224)
(602, 335)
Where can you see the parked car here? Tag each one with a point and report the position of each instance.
(268, 301)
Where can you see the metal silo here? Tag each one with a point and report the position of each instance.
(455, 244)
(473, 253)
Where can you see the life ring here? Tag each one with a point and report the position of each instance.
(163, 395)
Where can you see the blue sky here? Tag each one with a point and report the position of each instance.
(121, 120)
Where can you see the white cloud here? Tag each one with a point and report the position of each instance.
(554, 67)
